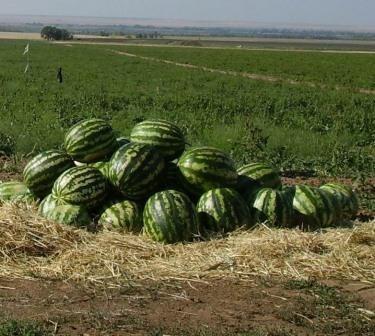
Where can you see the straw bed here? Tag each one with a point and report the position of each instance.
(34, 247)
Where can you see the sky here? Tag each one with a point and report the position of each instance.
(360, 13)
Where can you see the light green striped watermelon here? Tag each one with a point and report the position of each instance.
(103, 167)
(121, 215)
(273, 206)
(81, 186)
(28, 199)
(9, 191)
(165, 136)
(170, 217)
(42, 171)
(48, 204)
(315, 208)
(136, 170)
(206, 168)
(68, 214)
(90, 141)
(223, 210)
(265, 175)
(345, 196)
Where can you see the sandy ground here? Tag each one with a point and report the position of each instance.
(19, 36)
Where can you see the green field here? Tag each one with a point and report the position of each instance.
(296, 127)
(330, 69)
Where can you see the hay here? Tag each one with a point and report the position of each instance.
(33, 247)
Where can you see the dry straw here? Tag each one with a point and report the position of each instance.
(31, 247)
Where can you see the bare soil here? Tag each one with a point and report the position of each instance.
(222, 307)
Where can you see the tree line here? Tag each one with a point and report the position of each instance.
(54, 33)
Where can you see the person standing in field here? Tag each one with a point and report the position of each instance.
(59, 75)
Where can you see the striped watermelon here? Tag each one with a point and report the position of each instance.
(170, 217)
(42, 171)
(315, 208)
(222, 210)
(81, 186)
(206, 168)
(273, 206)
(103, 167)
(345, 196)
(265, 175)
(122, 141)
(136, 170)
(90, 141)
(9, 191)
(28, 199)
(68, 214)
(165, 136)
(121, 215)
(48, 204)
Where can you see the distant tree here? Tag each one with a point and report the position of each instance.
(53, 33)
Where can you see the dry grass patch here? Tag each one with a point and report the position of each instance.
(33, 247)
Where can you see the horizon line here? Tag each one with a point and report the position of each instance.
(207, 23)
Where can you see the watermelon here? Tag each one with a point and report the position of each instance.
(90, 141)
(273, 206)
(27, 198)
(265, 175)
(103, 167)
(68, 214)
(222, 210)
(9, 191)
(122, 141)
(165, 136)
(170, 217)
(48, 204)
(314, 207)
(42, 171)
(81, 186)
(206, 168)
(136, 170)
(121, 215)
(345, 196)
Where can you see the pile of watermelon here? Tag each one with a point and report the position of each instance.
(152, 184)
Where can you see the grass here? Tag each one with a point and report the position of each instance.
(348, 70)
(22, 328)
(291, 127)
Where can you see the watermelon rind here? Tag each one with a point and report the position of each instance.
(345, 196)
(273, 206)
(42, 171)
(68, 214)
(262, 173)
(206, 168)
(136, 171)
(90, 141)
(81, 186)
(223, 210)
(165, 136)
(170, 217)
(121, 216)
(315, 207)
(9, 191)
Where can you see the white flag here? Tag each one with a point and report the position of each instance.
(27, 68)
(26, 49)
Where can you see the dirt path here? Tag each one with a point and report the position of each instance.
(253, 76)
(221, 307)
